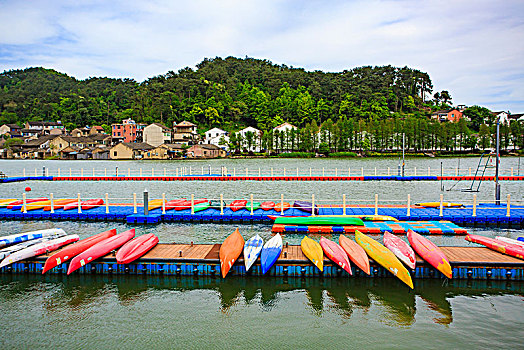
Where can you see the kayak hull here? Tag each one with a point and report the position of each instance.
(238, 204)
(318, 220)
(75, 249)
(384, 257)
(336, 254)
(514, 250)
(270, 253)
(305, 206)
(267, 205)
(313, 251)
(430, 253)
(230, 250)
(401, 249)
(27, 236)
(356, 253)
(136, 248)
(100, 249)
(252, 249)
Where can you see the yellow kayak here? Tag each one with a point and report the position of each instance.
(384, 257)
(313, 251)
(155, 203)
(36, 205)
(437, 205)
(6, 202)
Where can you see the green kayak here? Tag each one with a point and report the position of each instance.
(319, 220)
(256, 205)
(200, 206)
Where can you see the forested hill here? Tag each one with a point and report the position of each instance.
(229, 92)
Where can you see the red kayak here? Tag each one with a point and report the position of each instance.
(136, 248)
(514, 250)
(335, 252)
(356, 253)
(59, 204)
(89, 204)
(75, 249)
(230, 250)
(186, 204)
(21, 202)
(175, 204)
(100, 249)
(238, 204)
(267, 205)
(401, 249)
(430, 252)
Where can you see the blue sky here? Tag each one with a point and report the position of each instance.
(473, 48)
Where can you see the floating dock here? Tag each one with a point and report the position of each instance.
(263, 178)
(203, 260)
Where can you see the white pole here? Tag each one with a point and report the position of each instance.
(508, 206)
(165, 173)
(429, 171)
(511, 171)
(336, 171)
(192, 203)
(362, 171)
(82, 172)
(176, 171)
(221, 204)
(344, 204)
(375, 171)
(163, 203)
(441, 205)
(247, 171)
(105, 171)
(52, 203)
(469, 171)
(70, 172)
(235, 171)
(152, 172)
(313, 205)
(47, 171)
(474, 205)
(24, 203)
(284, 171)
(259, 172)
(107, 203)
(415, 171)
(58, 171)
(323, 171)
(281, 204)
(36, 174)
(140, 171)
(349, 171)
(79, 204)
(409, 205)
(190, 171)
(134, 204)
(24, 172)
(251, 197)
(128, 172)
(93, 172)
(376, 204)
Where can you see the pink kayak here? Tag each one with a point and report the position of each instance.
(136, 248)
(335, 253)
(100, 249)
(39, 249)
(430, 252)
(356, 253)
(401, 249)
(89, 204)
(514, 250)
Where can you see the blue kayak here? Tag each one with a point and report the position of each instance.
(521, 239)
(270, 253)
(28, 236)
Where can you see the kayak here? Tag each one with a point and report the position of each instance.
(520, 239)
(370, 217)
(513, 250)
(317, 220)
(270, 253)
(305, 206)
(355, 253)
(216, 204)
(59, 204)
(509, 240)
(200, 206)
(430, 252)
(313, 251)
(6, 202)
(256, 205)
(14, 248)
(437, 205)
(136, 248)
(100, 249)
(230, 250)
(335, 252)
(186, 204)
(85, 205)
(238, 204)
(38, 249)
(252, 249)
(75, 249)
(14, 204)
(401, 249)
(174, 204)
(267, 205)
(36, 205)
(28, 236)
(280, 205)
(384, 257)
(153, 204)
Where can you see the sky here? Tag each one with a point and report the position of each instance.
(472, 48)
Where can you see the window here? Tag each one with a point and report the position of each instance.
(114, 153)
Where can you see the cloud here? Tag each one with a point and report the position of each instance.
(471, 48)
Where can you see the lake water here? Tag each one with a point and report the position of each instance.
(107, 312)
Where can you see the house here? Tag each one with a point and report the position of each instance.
(101, 153)
(518, 117)
(11, 129)
(30, 133)
(251, 138)
(156, 134)
(502, 116)
(61, 142)
(205, 151)
(185, 133)
(221, 141)
(128, 131)
(284, 127)
(97, 129)
(44, 128)
(213, 133)
(130, 150)
(452, 115)
(80, 132)
(39, 148)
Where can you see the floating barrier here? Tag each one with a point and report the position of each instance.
(474, 263)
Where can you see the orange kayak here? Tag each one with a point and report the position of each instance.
(278, 206)
(59, 204)
(230, 250)
(356, 253)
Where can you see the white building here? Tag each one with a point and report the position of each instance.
(221, 141)
(214, 133)
(156, 134)
(256, 139)
(284, 127)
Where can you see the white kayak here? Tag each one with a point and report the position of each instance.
(28, 236)
(252, 249)
(16, 247)
(270, 253)
(38, 249)
(401, 249)
(509, 240)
